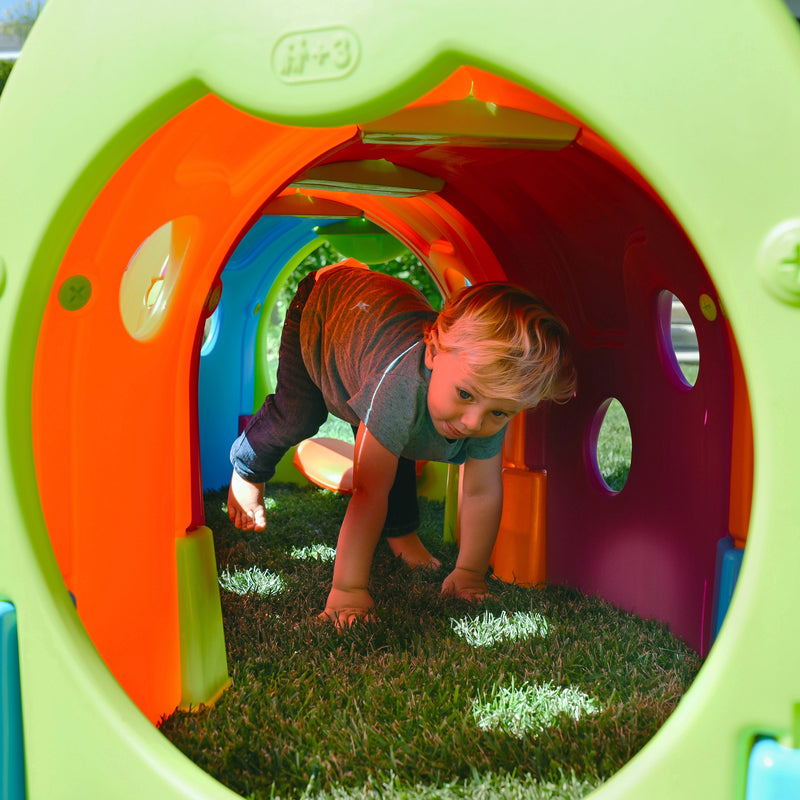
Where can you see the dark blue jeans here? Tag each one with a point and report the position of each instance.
(295, 412)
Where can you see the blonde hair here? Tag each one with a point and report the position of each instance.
(516, 347)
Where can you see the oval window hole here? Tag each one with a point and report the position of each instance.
(678, 338)
(613, 444)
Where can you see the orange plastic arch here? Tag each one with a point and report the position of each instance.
(114, 416)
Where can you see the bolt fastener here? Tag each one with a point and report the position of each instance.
(779, 262)
(75, 292)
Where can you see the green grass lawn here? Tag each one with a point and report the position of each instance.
(537, 693)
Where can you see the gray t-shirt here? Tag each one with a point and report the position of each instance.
(362, 340)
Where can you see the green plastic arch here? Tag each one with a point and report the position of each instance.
(704, 98)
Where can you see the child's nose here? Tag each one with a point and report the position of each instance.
(472, 421)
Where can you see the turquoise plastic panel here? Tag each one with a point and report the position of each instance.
(12, 761)
(729, 562)
(773, 772)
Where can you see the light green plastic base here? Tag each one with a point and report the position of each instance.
(204, 665)
(433, 481)
(451, 505)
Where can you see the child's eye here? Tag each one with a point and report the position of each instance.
(499, 414)
(464, 394)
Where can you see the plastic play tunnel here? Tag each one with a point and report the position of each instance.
(609, 157)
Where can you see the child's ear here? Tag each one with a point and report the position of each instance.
(431, 346)
(430, 352)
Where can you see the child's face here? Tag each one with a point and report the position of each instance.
(456, 403)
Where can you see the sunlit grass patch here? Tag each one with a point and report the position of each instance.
(518, 710)
(491, 629)
(251, 581)
(314, 552)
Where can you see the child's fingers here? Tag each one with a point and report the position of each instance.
(247, 520)
(240, 519)
(259, 519)
(462, 585)
(246, 504)
(472, 594)
(345, 617)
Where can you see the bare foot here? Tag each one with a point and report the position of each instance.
(246, 504)
(413, 552)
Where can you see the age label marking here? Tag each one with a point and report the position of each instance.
(316, 55)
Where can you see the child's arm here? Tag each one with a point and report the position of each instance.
(481, 507)
(374, 469)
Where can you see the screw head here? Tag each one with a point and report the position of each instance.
(708, 308)
(779, 262)
(75, 292)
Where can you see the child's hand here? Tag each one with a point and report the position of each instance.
(465, 585)
(346, 606)
(246, 504)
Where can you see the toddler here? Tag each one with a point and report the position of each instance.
(415, 385)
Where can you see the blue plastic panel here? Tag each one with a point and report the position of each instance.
(225, 385)
(729, 562)
(12, 763)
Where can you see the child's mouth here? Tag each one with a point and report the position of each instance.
(450, 432)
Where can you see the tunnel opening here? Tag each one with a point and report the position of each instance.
(482, 179)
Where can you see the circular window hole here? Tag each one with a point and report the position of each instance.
(678, 338)
(612, 444)
(148, 283)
